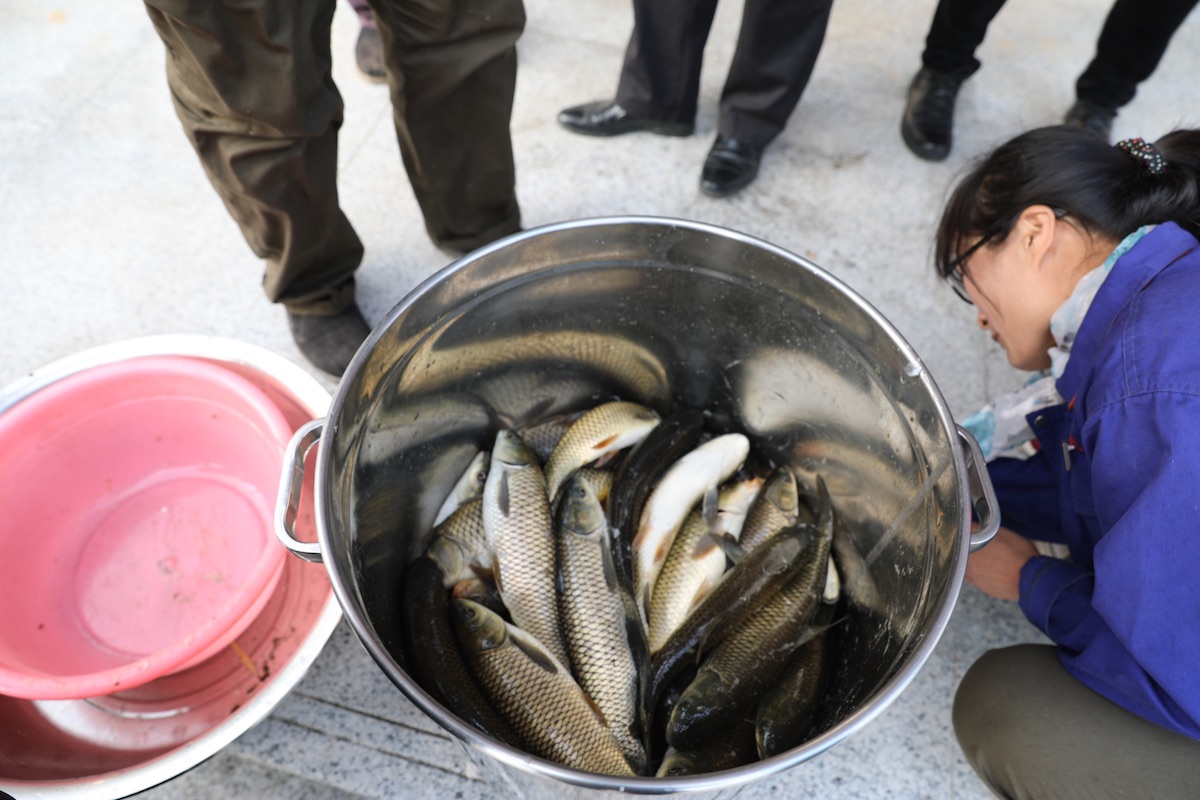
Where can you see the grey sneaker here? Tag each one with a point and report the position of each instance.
(368, 54)
(329, 342)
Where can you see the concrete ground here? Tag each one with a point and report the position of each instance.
(110, 231)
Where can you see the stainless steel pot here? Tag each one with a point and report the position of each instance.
(664, 312)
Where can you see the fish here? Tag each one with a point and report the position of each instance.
(434, 659)
(603, 633)
(482, 592)
(747, 586)
(680, 488)
(696, 561)
(731, 748)
(776, 507)
(599, 481)
(466, 488)
(543, 435)
(605, 429)
(639, 471)
(747, 661)
(459, 545)
(535, 694)
(520, 532)
(786, 711)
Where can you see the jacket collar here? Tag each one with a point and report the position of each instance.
(1132, 273)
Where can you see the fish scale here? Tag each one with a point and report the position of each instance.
(520, 532)
(535, 694)
(600, 623)
(605, 429)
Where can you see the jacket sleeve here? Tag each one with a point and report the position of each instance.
(1027, 492)
(1130, 627)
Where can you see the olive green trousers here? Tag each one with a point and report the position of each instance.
(1031, 730)
(252, 84)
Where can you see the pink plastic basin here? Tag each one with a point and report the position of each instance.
(136, 530)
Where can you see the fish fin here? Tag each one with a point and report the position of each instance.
(709, 506)
(504, 499)
(608, 563)
(532, 415)
(529, 646)
(703, 591)
(733, 550)
(605, 459)
(606, 442)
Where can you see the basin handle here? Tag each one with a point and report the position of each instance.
(287, 505)
(983, 495)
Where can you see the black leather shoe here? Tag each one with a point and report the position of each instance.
(929, 114)
(607, 118)
(368, 54)
(329, 342)
(1091, 117)
(730, 166)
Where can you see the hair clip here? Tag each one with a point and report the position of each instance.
(1144, 153)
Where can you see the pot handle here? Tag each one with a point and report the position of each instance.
(983, 495)
(287, 506)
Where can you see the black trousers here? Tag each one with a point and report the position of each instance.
(777, 47)
(1132, 42)
(252, 84)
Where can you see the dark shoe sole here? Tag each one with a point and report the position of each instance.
(922, 148)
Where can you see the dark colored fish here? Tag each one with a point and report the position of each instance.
(675, 436)
(459, 545)
(786, 710)
(731, 748)
(747, 661)
(433, 654)
(746, 587)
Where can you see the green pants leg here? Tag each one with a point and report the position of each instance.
(1031, 730)
(452, 72)
(252, 85)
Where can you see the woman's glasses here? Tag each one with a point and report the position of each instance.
(955, 275)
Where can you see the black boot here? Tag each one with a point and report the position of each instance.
(1091, 117)
(929, 115)
(329, 342)
(730, 167)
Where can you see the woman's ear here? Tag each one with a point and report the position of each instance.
(1036, 228)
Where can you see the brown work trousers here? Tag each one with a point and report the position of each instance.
(252, 84)
(1031, 730)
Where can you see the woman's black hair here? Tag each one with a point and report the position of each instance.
(1102, 188)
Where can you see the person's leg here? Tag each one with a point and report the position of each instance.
(776, 50)
(957, 30)
(777, 47)
(1031, 730)
(452, 72)
(253, 89)
(660, 77)
(1132, 42)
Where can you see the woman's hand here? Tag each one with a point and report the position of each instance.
(995, 569)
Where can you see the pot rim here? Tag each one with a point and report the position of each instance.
(725, 779)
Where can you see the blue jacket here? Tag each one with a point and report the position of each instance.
(1117, 479)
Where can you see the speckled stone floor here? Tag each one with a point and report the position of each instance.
(110, 231)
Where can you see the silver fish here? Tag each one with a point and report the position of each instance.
(680, 488)
(601, 627)
(466, 488)
(535, 694)
(605, 429)
(459, 545)
(696, 561)
(520, 533)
